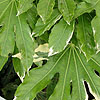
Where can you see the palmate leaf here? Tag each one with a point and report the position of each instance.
(45, 9)
(60, 36)
(73, 69)
(15, 29)
(85, 35)
(67, 8)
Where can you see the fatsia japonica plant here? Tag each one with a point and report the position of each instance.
(63, 33)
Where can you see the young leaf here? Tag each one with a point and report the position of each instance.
(24, 5)
(85, 35)
(73, 68)
(67, 8)
(45, 9)
(96, 31)
(40, 27)
(60, 36)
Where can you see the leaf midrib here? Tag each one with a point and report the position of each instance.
(77, 76)
(66, 75)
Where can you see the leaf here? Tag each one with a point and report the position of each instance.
(7, 34)
(45, 9)
(24, 42)
(19, 68)
(97, 7)
(3, 60)
(88, 1)
(41, 53)
(60, 36)
(32, 16)
(24, 5)
(15, 29)
(85, 35)
(73, 68)
(96, 31)
(42, 48)
(84, 7)
(40, 27)
(67, 8)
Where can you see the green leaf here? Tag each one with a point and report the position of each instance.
(3, 60)
(24, 5)
(96, 31)
(45, 9)
(85, 35)
(7, 21)
(19, 68)
(32, 16)
(67, 8)
(60, 36)
(84, 7)
(15, 28)
(73, 69)
(88, 1)
(40, 27)
(24, 42)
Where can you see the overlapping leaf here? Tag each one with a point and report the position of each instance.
(60, 36)
(7, 34)
(15, 29)
(45, 9)
(32, 17)
(85, 35)
(84, 7)
(73, 69)
(24, 5)
(67, 8)
(40, 27)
